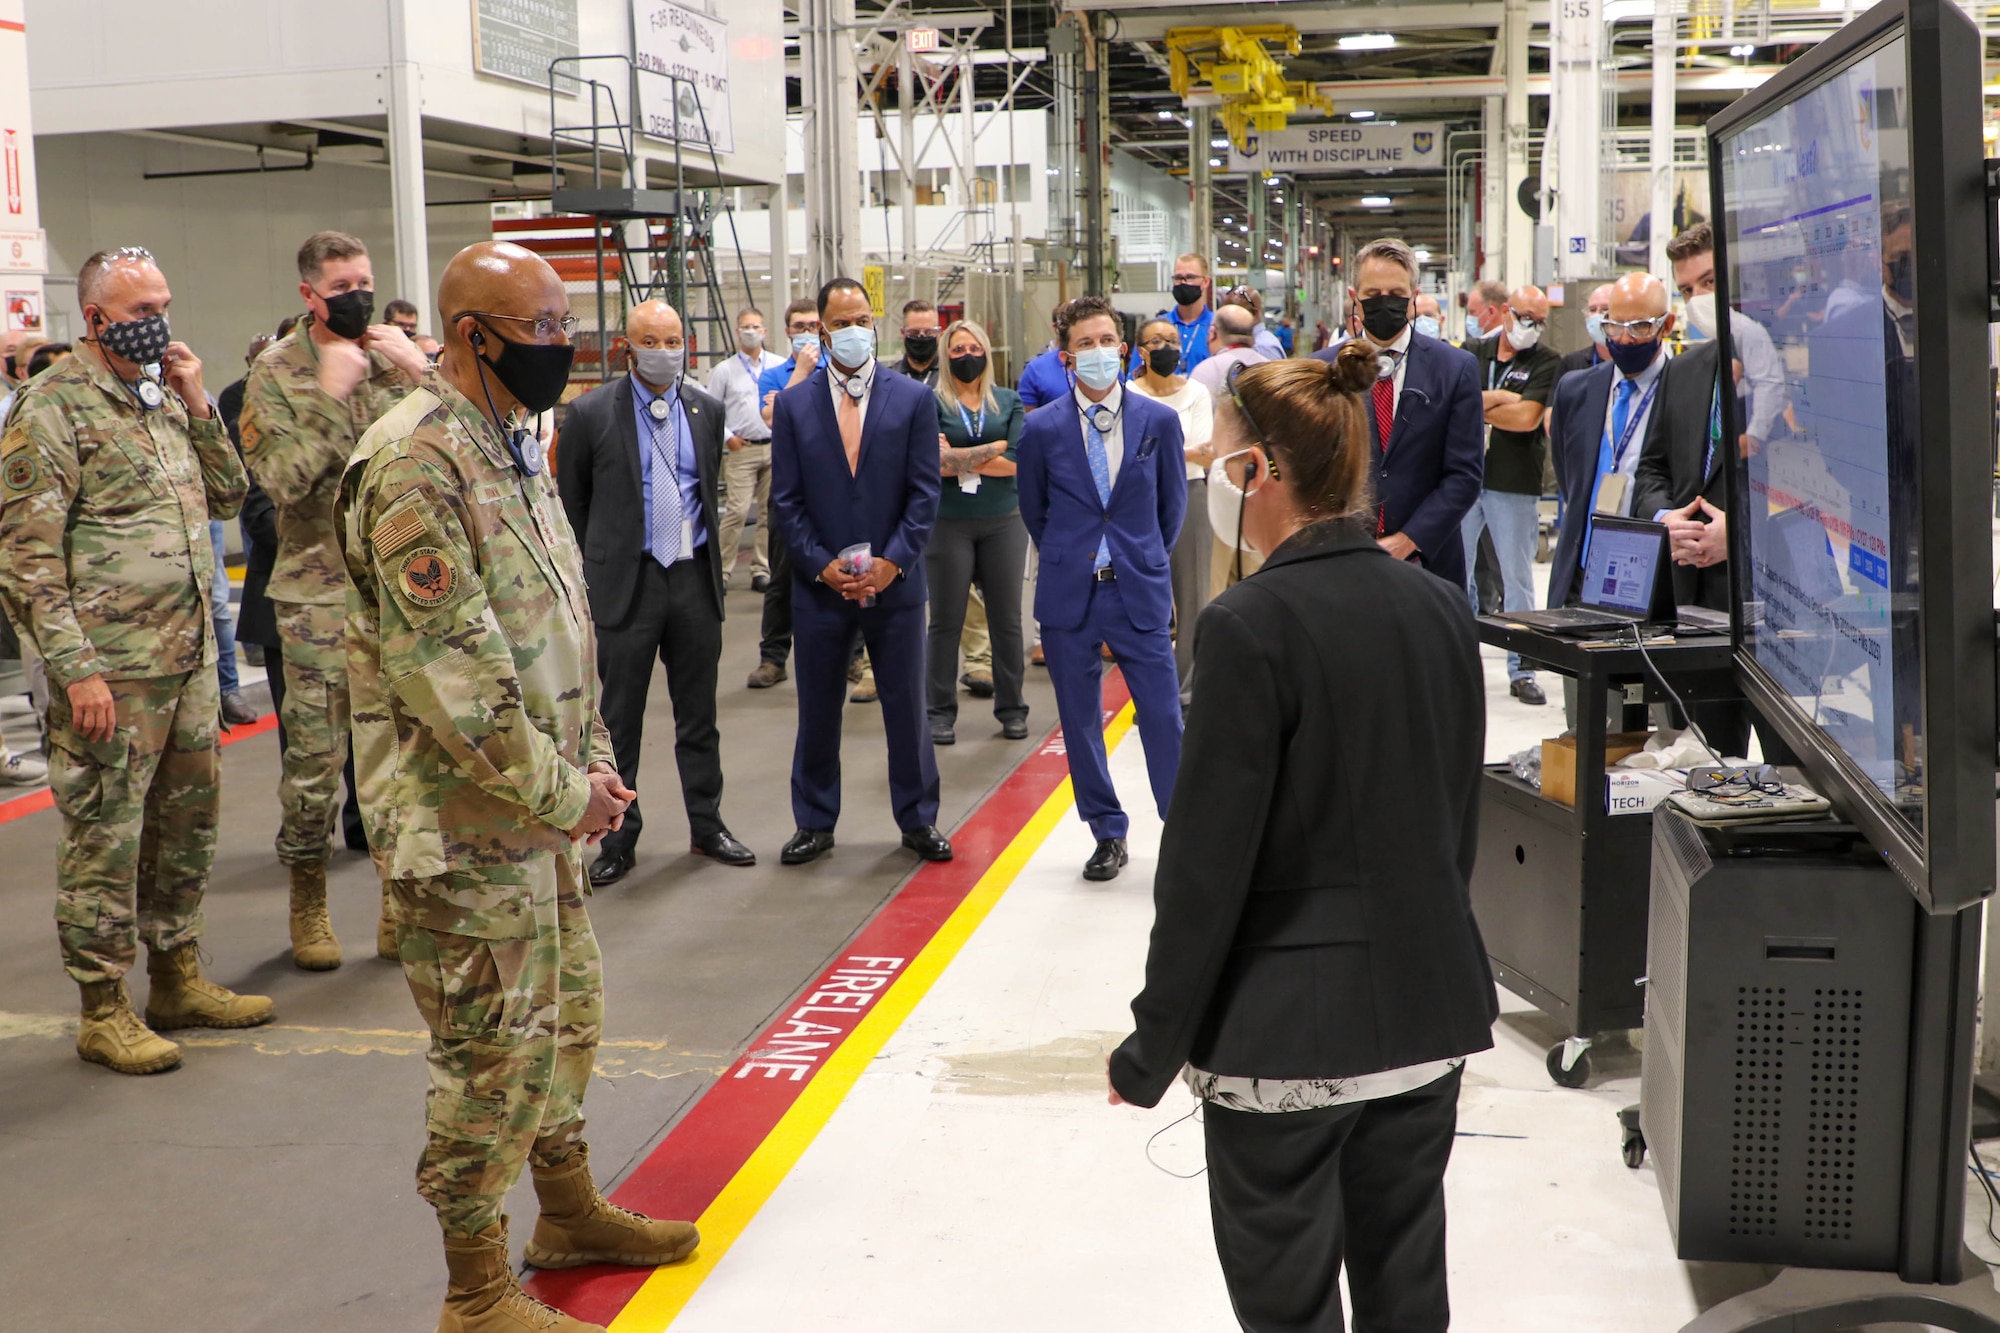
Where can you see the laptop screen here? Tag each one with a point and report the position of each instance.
(1622, 568)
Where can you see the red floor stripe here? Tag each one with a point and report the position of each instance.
(37, 801)
(690, 1167)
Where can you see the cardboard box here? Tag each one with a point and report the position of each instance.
(1559, 761)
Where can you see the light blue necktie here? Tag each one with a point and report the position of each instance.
(1100, 472)
(666, 516)
(1621, 414)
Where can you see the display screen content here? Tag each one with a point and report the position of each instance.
(1818, 249)
(1623, 565)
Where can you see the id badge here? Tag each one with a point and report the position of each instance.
(687, 535)
(1611, 493)
(969, 483)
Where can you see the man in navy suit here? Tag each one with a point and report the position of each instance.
(1601, 417)
(854, 460)
(1103, 490)
(1425, 417)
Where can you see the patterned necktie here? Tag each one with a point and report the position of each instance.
(666, 516)
(849, 412)
(1385, 420)
(1100, 472)
(1621, 417)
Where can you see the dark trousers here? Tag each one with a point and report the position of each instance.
(352, 831)
(673, 617)
(824, 646)
(776, 646)
(1295, 1194)
(994, 553)
(1076, 669)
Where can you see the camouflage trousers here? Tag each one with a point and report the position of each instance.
(514, 1026)
(139, 814)
(315, 716)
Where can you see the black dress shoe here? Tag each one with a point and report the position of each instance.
(928, 843)
(943, 733)
(724, 848)
(759, 582)
(1014, 729)
(1107, 861)
(806, 845)
(610, 868)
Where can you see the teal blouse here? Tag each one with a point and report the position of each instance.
(996, 495)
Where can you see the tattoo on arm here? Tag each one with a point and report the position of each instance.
(960, 462)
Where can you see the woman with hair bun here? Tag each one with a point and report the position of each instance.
(1315, 973)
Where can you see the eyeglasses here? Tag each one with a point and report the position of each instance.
(1531, 321)
(1235, 373)
(1187, 277)
(545, 327)
(1634, 330)
(1742, 784)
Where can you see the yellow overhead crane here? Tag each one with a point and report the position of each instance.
(1238, 66)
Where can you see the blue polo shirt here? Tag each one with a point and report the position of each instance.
(687, 474)
(773, 381)
(1043, 380)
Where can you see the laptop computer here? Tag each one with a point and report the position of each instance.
(1626, 581)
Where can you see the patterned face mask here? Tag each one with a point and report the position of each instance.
(142, 341)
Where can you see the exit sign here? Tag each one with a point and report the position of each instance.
(922, 39)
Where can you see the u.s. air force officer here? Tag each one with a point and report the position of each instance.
(854, 460)
(1103, 492)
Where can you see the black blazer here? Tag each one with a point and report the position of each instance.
(1671, 462)
(597, 474)
(1581, 401)
(1312, 917)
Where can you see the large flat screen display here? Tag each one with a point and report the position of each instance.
(1818, 252)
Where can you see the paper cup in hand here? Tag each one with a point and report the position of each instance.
(856, 561)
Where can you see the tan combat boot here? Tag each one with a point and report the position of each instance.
(314, 945)
(579, 1227)
(385, 934)
(484, 1295)
(112, 1035)
(182, 998)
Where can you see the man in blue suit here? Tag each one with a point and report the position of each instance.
(1425, 417)
(1601, 417)
(1103, 491)
(854, 460)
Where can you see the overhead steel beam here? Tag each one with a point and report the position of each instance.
(1147, 22)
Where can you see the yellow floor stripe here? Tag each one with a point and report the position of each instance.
(668, 1290)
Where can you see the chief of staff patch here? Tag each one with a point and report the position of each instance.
(427, 576)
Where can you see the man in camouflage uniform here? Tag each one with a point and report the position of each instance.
(482, 763)
(307, 401)
(108, 478)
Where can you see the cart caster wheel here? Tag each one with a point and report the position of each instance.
(1635, 1150)
(1576, 1075)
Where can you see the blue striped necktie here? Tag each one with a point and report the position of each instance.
(666, 516)
(1100, 472)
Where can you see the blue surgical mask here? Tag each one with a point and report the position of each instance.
(1426, 325)
(1594, 326)
(852, 346)
(1472, 329)
(801, 341)
(1097, 367)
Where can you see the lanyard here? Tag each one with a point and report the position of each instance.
(1714, 429)
(975, 426)
(1631, 425)
(672, 463)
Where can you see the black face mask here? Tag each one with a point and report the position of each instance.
(1901, 279)
(1385, 317)
(920, 347)
(1187, 293)
(1632, 358)
(534, 373)
(1163, 361)
(347, 314)
(968, 368)
(141, 341)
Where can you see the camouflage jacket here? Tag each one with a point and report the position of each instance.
(472, 665)
(297, 439)
(105, 561)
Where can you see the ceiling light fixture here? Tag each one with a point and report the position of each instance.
(1367, 41)
(1361, 115)
(1375, 201)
